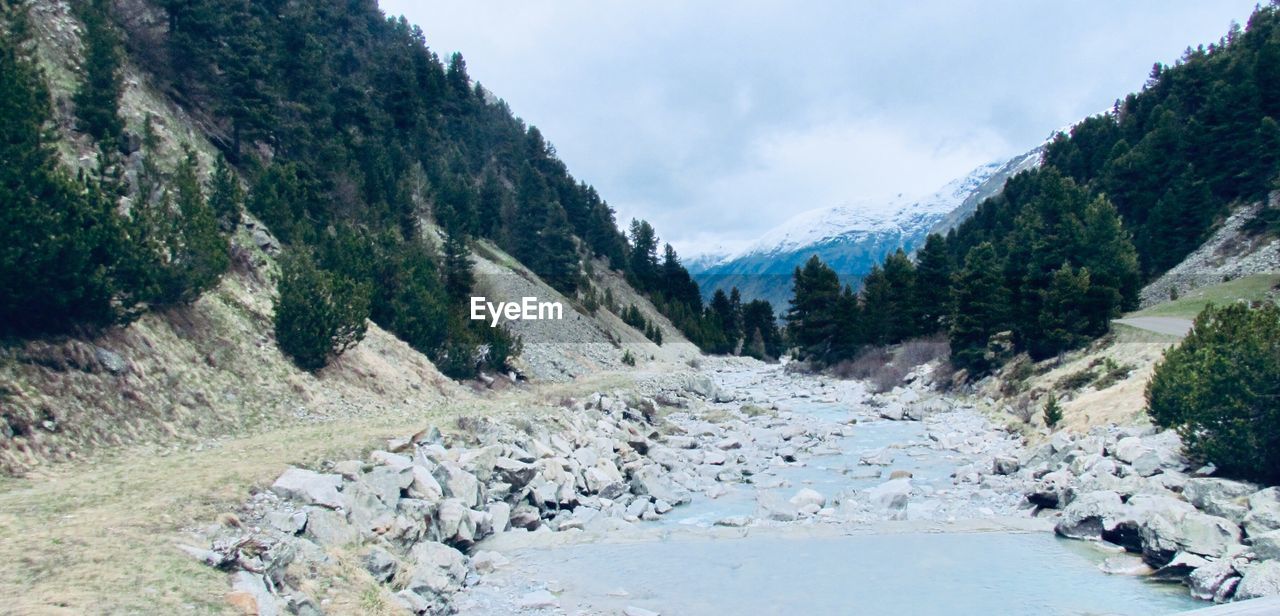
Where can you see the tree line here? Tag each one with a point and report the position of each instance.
(338, 128)
(1065, 248)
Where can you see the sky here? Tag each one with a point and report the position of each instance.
(717, 120)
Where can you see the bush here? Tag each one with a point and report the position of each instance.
(1220, 389)
(921, 351)
(1052, 411)
(628, 358)
(863, 365)
(319, 314)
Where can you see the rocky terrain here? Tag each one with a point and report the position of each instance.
(1230, 253)
(424, 516)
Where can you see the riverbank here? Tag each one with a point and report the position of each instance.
(738, 453)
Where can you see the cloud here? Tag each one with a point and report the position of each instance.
(717, 120)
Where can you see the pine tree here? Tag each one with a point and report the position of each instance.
(458, 274)
(933, 285)
(60, 239)
(812, 319)
(901, 311)
(98, 97)
(1063, 323)
(319, 314)
(979, 309)
(226, 196)
(180, 235)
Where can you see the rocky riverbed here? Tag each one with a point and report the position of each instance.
(472, 522)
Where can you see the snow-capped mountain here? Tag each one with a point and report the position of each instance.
(851, 238)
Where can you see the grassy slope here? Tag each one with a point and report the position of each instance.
(1251, 288)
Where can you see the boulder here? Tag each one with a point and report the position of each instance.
(437, 569)
(891, 497)
(381, 564)
(388, 482)
(538, 600)
(485, 561)
(649, 480)
(1084, 517)
(893, 412)
(1179, 567)
(454, 522)
(1264, 512)
(501, 514)
(808, 496)
(1261, 580)
(249, 593)
(1125, 564)
(1267, 545)
(309, 487)
(1205, 582)
(772, 507)
(734, 521)
(423, 484)
(287, 522)
(329, 527)
(1166, 533)
(458, 483)
(1004, 465)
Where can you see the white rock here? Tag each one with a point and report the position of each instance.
(309, 487)
(538, 599)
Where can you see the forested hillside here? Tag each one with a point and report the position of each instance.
(1064, 248)
(340, 130)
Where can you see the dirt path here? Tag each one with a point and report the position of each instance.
(1170, 326)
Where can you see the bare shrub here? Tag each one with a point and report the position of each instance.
(862, 366)
(1023, 409)
(695, 363)
(888, 376)
(944, 375)
(921, 351)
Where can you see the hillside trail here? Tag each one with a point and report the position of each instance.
(1170, 326)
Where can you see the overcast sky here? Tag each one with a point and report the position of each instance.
(717, 120)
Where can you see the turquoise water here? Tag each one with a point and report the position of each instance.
(912, 573)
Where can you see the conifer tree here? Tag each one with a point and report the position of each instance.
(318, 314)
(812, 320)
(226, 196)
(60, 239)
(1063, 322)
(933, 285)
(979, 309)
(458, 274)
(98, 97)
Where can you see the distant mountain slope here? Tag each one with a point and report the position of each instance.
(851, 238)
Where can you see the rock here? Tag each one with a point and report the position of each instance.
(892, 497)
(501, 514)
(701, 385)
(1125, 564)
(514, 472)
(1261, 580)
(714, 458)
(415, 603)
(525, 516)
(914, 412)
(458, 483)
(729, 443)
(393, 460)
(538, 599)
(485, 561)
(249, 593)
(1083, 518)
(388, 482)
(1004, 465)
(423, 485)
(110, 360)
(265, 242)
(1267, 545)
(632, 610)
(437, 568)
(1166, 533)
(454, 522)
(734, 521)
(772, 507)
(287, 522)
(1220, 497)
(649, 480)
(808, 496)
(1264, 512)
(1206, 581)
(381, 564)
(898, 474)
(330, 527)
(1179, 567)
(893, 412)
(309, 488)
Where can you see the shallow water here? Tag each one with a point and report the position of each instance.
(907, 573)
